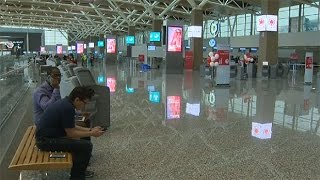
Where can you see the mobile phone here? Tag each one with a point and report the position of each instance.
(57, 156)
(104, 128)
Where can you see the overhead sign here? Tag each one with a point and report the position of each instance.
(155, 36)
(267, 23)
(214, 28)
(195, 31)
(91, 44)
(212, 43)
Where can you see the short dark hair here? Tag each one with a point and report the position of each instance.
(81, 92)
(52, 69)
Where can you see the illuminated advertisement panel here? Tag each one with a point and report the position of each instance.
(80, 48)
(59, 49)
(175, 39)
(111, 46)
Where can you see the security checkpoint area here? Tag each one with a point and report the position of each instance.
(179, 89)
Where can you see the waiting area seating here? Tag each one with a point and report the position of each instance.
(29, 157)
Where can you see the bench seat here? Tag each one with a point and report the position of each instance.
(29, 157)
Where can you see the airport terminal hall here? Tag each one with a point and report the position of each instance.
(159, 89)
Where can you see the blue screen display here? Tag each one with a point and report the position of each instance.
(155, 36)
(130, 40)
(100, 43)
(154, 96)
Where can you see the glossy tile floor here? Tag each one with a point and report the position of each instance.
(253, 129)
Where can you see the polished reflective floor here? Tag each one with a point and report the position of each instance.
(183, 127)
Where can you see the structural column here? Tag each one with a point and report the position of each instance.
(131, 32)
(268, 45)
(197, 43)
(157, 26)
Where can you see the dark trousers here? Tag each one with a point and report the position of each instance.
(80, 150)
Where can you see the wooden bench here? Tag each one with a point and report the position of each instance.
(29, 157)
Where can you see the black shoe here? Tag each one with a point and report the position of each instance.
(89, 174)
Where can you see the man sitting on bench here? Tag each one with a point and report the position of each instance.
(56, 131)
(47, 93)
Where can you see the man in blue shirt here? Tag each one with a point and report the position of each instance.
(47, 93)
(56, 130)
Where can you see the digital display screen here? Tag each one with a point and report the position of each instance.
(111, 46)
(59, 49)
(100, 43)
(154, 96)
(267, 23)
(111, 83)
(175, 39)
(73, 47)
(69, 48)
(130, 40)
(151, 48)
(91, 45)
(85, 46)
(155, 36)
(193, 109)
(173, 107)
(80, 48)
(261, 131)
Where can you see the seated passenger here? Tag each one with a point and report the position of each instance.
(47, 93)
(56, 131)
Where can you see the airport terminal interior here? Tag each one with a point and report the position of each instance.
(187, 89)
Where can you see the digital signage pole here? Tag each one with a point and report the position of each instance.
(174, 49)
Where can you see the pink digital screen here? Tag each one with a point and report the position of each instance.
(111, 83)
(175, 39)
(111, 46)
(59, 49)
(80, 48)
(173, 107)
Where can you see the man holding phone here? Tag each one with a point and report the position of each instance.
(57, 131)
(47, 93)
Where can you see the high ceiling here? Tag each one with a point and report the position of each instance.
(83, 18)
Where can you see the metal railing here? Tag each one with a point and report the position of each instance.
(14, 84)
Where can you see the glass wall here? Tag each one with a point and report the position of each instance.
(53, 37)
(289, 18)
